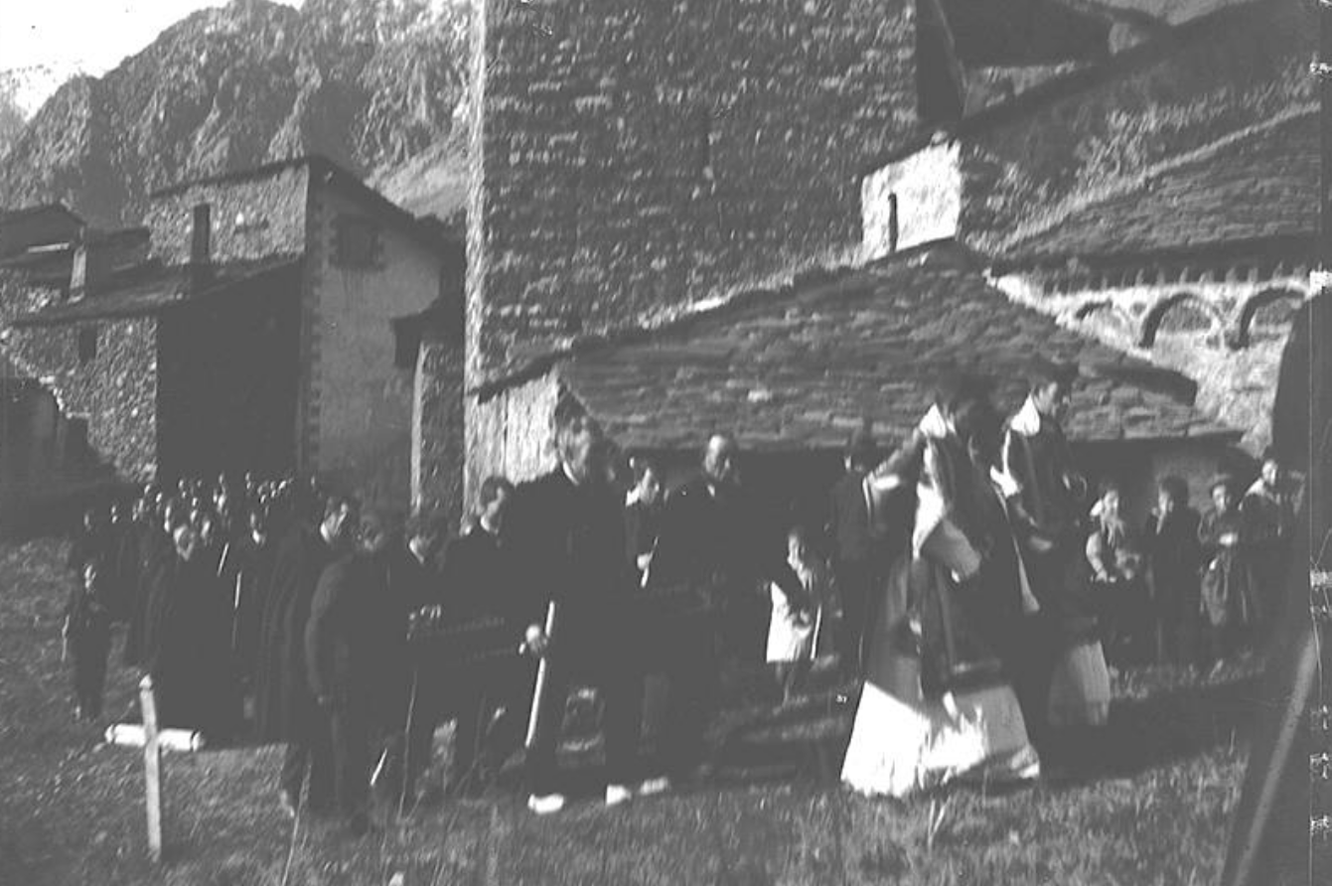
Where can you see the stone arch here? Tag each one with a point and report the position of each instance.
(1180, 301)
(1282, 299)
(1106, 314)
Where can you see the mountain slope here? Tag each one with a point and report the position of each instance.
(372, 86)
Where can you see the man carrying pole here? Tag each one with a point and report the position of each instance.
(567, 535)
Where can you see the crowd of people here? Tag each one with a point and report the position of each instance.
(968, 580)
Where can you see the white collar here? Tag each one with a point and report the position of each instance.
(934, 425)
(565, 468)
(1027, 421)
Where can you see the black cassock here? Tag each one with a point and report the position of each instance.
(284, 702)
(151, 550)
(186, 648)
(249, 576)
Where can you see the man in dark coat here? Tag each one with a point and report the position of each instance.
(1047, 506)
(87, 631)
(1173, 559)
(715, 544)
(568, 549)
(853, 547)
(249, 573)
(490, 702)
(186, 642)
(152, 550)
(346, 640)
(405, 567)
(288, 709)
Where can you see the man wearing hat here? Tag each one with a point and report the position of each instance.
(849, 531)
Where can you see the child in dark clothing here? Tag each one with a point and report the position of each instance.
(87, 634)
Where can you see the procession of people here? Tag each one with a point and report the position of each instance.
(970, 581)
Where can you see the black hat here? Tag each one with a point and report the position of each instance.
(1223, 479)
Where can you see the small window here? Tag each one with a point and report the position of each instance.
(87, 344)
(892, 223)
(357, 243)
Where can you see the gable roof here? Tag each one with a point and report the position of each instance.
(797, 370)
(1258, 184)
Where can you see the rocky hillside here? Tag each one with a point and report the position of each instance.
(373, 85)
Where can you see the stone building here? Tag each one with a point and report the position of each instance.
(793, 372)
(44, 450)
(260, 335)
(1165, 202)
(637, 167)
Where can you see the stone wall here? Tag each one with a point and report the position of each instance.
(1024, 167)
(509, 433)
(1224, 332)
(116, 391)
(358, 420)
(913, 201)
(635, 157)
(437, 428)
(250, 217)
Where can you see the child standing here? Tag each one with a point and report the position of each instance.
(793, 634)
(87, 633)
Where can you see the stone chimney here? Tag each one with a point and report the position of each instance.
(201, 236)
(78, 267)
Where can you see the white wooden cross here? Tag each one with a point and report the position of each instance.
(153, 742)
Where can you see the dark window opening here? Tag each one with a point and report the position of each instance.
(87, 345)
(406, 344)
(358, 243)
(892, 223)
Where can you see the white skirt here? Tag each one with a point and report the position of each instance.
(898, 749)
(788, 639)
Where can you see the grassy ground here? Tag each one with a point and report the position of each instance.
(71, 811)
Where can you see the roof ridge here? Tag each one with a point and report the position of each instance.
(840, 264)
(1089, 199)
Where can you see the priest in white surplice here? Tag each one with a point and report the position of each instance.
(938, 704)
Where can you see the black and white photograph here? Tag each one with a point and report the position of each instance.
(718, 442)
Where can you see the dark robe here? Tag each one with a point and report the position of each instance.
(480, 584)
(642, 522)
(1173, 559)
(253, 564)
(725, 547)
(128, 569)
(568, 547)
(405, 585)
(187, 649)
(1269, 524)
(479, 581)
(88, 616)
(1227, 588)
(344, 651)
(154, 550)
(1048, 511)
(284, 704)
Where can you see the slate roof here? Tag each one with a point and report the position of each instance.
(152, 288)
(797, 370)
(1260, 184)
